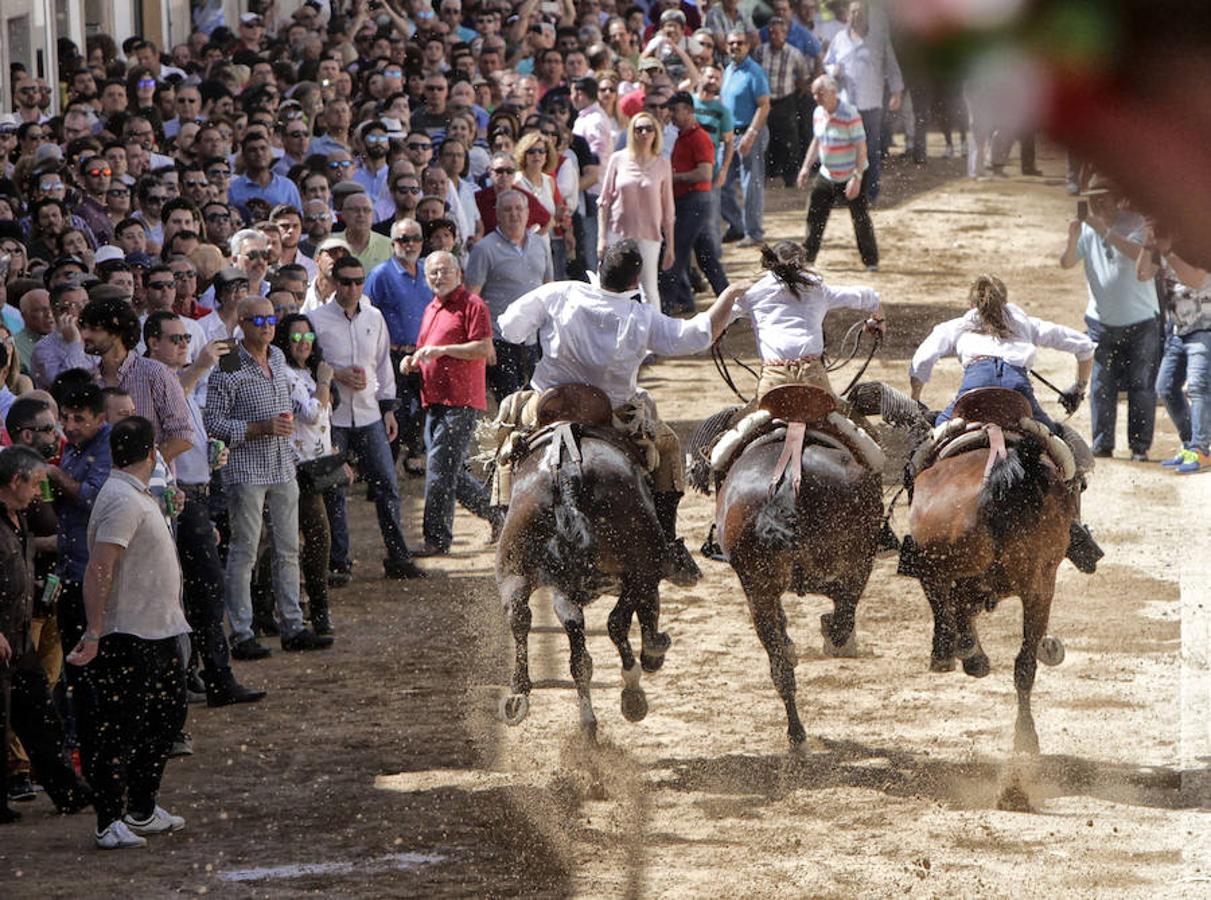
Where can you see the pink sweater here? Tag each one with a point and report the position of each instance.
(638, 201)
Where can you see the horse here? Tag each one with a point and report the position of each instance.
(581, 515)
(988, 528)
(811, 523)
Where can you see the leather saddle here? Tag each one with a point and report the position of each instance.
(993, 406)
(569, 412)
(798, 405)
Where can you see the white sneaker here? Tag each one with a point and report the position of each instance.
(118, 837)
(159, 822)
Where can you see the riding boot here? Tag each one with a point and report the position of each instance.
(680, 567)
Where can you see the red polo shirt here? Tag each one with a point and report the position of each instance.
(458, 318)
(485, 200)
(693, 148)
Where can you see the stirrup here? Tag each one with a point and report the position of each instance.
(710, 547)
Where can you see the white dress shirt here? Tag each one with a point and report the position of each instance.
(361, 341)
(789, 328)
(594, 125)
(959, 337)
(864, 65)
(593, 336)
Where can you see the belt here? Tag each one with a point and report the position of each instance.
(998, 359)
(403, 348)
(195, 491)
(790, 362)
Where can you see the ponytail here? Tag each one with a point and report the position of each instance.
(988, 297)
(788, 263)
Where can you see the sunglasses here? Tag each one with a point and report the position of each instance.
(190, 184)
(98, 173)
(341, 164)
(118, 192)
(218, 173)
(406, 189)
(183, 276)
(180, 340)
(218, 217)
(147, 82)
(393, 73)
(377, 139)
(50, 185)
(644, 129)
(261, 321)
(299, 336)
(254, 255)
(349, 282)
(542, 150)
(299, 133)
(504, 171)
(161, 285)
(409, 239)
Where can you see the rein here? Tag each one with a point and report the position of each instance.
(720, 362)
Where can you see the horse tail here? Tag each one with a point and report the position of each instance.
(572, 546)
(1013, 492)
(779, 518)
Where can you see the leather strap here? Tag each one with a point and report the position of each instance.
(792, 449)
(996, 447)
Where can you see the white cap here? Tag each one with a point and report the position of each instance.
(107, 253)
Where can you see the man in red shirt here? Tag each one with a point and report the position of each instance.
(693, 162)
(453, 348)
(503, 174)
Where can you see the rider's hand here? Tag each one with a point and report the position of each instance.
(877, 327)
(1071, 399)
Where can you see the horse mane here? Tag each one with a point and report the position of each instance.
(1013, 493)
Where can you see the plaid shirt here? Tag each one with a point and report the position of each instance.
(785, 68)
(158, 397)
(249, 395)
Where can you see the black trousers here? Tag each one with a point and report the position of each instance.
(785, 152)
(825, 194)
(27, 707)
(409, 415)
(203, 575)
(130, 704)
(514, 366)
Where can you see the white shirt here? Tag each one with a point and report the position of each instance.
(197, 336)
(466, 227)
(594, 125)
(312, 436)
(958, 337)
(361, 341)
(862, 72)
(787, 327)
(214, 328)
(593, 336)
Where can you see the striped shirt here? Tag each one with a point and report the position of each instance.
(234, 401)
(785, 68)
(840, 134)
(157, 396)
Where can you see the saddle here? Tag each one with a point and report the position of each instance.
(567, 413)
(992, 418)
(800, 414)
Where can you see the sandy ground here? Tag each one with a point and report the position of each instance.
(379, 769)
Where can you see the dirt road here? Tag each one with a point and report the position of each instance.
(378, 769)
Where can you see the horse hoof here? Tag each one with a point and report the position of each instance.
(826, 623)
(651, 662)
(798, 739)
(846, 650)
(514, 708)
(966, 649)
(977, 666)
(634, 704)
(1014, 799)
(1026, 743)
(1050, 652)
(942, 665)
(589, 730)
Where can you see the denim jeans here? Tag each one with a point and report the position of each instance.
(368, 444)
(1188, 359)
(246, 505)
(448, 431)
(748, 172)
(1125, 360)
(997, 373)
(514, 366)
(872, 121)
(692, 233)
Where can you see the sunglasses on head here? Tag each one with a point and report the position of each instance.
(299, 336)
(180, 339)
(261, 321)
(350, 281)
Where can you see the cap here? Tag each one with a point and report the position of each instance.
(1099, 185)
(107, 292)
(333, 243)
(229, 275)
(9, 123)
(681, 97)
(108, 253)
(649, 62)
(138, 260)
(62, 261)
(672, 15)
(251, 19)
(345, 189)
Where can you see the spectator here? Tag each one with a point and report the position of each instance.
(250, 254)
(455, 343)
(397, 289)
(507, 263)
(1122, 316)
(788, 73)
(369, 248)
(230, 287)
(26, 706)
(250, 410)
(323, 287)
(290, 223)
(746, 95)
(693, 165)
(258, 181)
(839, 145)
(503, 177)
(39, 322)
(131, 649)
(311, 395)
(62, 348)
(405, 194)
(358, 347)
(637, 201)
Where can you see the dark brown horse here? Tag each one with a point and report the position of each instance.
(980, 537)
(822, 540)
(581, 521)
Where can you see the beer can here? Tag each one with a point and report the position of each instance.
(215, 450)
(50, 592)
(48, 495)
(170, 502)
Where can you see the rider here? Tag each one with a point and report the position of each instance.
(995, 341)
(600, 335)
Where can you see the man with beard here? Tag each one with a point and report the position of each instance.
(317, 222)
(405, 194)
(290, 224)
(372, 171)
(250, 254)
(96, 176)
(27, 96)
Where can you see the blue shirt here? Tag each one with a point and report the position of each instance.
(377, 191)
(1116, 296)
(400, 297)
(89, 465)
(798, 37)
(743, 86)
(279, 190)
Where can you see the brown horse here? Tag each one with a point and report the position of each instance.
(581, 520)
(980, 537)
(822, 540)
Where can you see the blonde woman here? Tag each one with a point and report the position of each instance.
(607, 99)
(637, 201)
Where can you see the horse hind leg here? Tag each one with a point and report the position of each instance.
(942, 654)
(654, 642)
(837, 627)
(968, 601)
(1036, 612)
(765, 604)
(515, 595)
(571, 616)
(634, 701)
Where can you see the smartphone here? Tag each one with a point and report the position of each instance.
(551, 9)
(1082, 210)
(230, 362)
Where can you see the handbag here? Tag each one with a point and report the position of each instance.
(320, 475)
